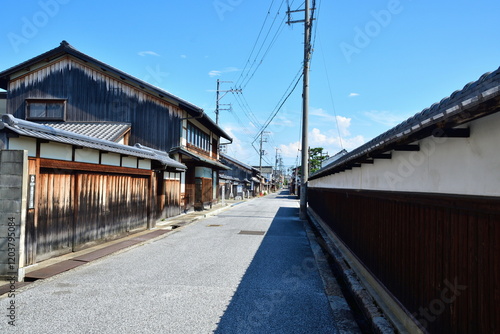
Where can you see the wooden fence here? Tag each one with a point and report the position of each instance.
(79, 205)
(438, 255)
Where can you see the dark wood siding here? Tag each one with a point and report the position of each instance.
(438, 255)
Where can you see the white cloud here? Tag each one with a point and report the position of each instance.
(238, 149)
(291, 150)
(353, 95)
(183, 56)
(332, 143)
(386, 118)
(148, 53)
(215, 73)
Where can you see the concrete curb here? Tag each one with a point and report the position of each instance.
(375, 317)
(344, 318)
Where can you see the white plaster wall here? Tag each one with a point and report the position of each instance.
(129, 162)
(111, 159)
(467, 166)
(3, 106)
(23, 143)
(87, 155)
(145, 164)
(56, 151)
(183, 182)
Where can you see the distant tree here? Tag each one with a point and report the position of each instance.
(316, 156)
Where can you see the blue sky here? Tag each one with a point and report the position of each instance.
(375, 63)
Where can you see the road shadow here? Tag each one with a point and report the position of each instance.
(285, 194)
(281, 290)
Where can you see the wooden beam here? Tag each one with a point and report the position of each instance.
(367, 161)
(382, 156)
(452, 133)
(407, 148)
(105, 169)
(356, 165)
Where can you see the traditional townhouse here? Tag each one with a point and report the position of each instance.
(241, 180)
(107, 152)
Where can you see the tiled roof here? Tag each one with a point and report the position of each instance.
(35, 130)
(102, 130)
(227, 157)
(460, 107)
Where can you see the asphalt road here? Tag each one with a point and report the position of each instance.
(207, 277)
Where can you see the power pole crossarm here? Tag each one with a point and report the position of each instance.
(219, 97)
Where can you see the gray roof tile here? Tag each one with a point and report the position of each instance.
(102, 130)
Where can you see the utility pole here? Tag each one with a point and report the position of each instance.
(261, 152)
(276, 161)
(218, 98)
(305, 107)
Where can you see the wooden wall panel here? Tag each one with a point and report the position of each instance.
(55, 215)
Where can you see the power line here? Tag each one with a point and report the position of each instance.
(283, 100)
(255, 43)
(247, 75)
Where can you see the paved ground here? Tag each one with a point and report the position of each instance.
(217, 275)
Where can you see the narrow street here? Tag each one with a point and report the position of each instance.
(248, 270)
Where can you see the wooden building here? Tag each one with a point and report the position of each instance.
(65, 87)
(417, 212)
(240, 180)
(83, 190)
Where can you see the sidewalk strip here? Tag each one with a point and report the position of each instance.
(52, 270)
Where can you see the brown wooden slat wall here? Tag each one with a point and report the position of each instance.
(76, 209)
(169, 200)
(438, 255)
(55, 214)
(109, 205)
(207, 194)
(189, 196)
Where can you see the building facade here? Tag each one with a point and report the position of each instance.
(417, 211)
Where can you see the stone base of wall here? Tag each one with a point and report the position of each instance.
(13, 196)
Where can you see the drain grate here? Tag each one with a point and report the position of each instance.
(214, 225)
(252, 232)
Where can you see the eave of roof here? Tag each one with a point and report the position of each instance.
(460, 107)
(35, 130)
(66, 48)
(225, 156)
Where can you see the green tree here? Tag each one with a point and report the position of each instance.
(316, 156)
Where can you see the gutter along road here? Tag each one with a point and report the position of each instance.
(250, 269)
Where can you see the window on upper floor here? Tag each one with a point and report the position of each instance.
(45, 109)
(197, 137)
